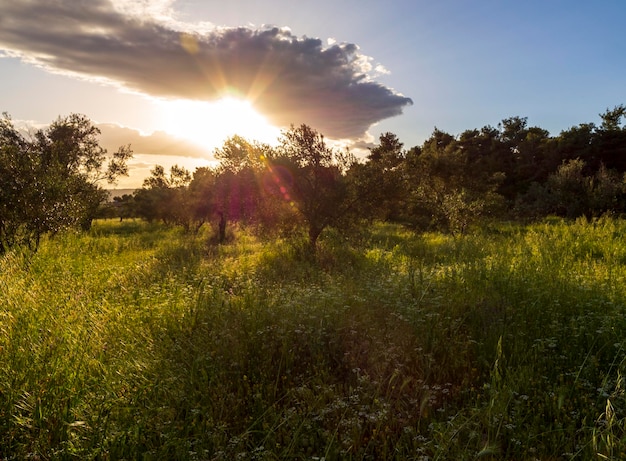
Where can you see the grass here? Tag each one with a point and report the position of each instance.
(137, 341)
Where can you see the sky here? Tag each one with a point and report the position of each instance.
(174, 78)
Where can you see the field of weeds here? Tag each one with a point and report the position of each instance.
(137, 341)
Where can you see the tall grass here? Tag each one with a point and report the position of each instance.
(141, 342)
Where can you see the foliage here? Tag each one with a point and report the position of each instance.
(52, 181)
(238, 154)
(316, 184)
(448, 183)
(177, 198)
(125, 206)
(378, 183)
(443, 192)
(238, 190)
(570, 193)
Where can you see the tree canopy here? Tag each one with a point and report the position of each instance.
(52, 179)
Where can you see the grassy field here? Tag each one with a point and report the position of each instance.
(136, 341)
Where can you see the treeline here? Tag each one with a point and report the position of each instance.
(51, 181)
(301, 184)
(511, 171)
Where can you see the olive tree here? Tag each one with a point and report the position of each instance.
(313, 180)
(52, 180)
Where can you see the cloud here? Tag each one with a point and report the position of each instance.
(157, 148)
(158, 143)
(290, 79)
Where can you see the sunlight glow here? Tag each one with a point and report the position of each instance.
(210, 124)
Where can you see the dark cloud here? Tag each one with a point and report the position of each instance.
(289, 79)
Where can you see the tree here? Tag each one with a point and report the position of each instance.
(444, 189)
(611, 139)
(238, 154)
(571, 193)
(576, 142)
(513, 130)
(17, 193)
(237, 187)
(379, 182)
(611, 118)
(571, 189)
(124, 207)
(178, 198)
(201, 196)
(52, 181)
(169, 198)
(315, 182)
(74, 164)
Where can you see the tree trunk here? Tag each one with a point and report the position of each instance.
(314, 234)
(222, 228)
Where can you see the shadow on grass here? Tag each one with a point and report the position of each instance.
(355, 357)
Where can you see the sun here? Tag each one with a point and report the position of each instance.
(209, 124)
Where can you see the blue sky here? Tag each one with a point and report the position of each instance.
(462, 65)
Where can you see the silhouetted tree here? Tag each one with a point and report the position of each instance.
(239, 183)
(379, 182)
(124, 206)
(314, 180)
(167, 198)
(610, 139)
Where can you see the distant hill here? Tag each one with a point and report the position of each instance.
(119, 192)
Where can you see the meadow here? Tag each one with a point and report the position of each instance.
(138, 341)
